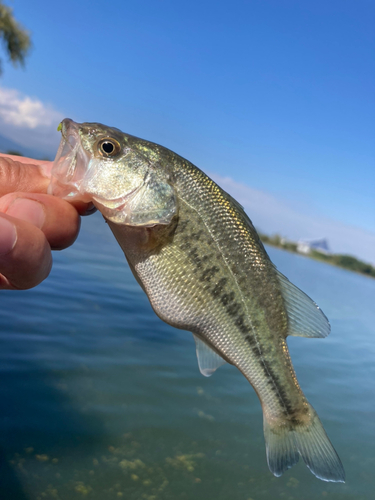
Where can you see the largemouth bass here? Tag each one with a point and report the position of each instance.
(201, 263)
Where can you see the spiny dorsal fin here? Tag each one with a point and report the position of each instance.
(306, 319)
(239, 207)
(208, 360)
(241, 210)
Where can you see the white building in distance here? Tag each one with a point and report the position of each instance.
(320, 245)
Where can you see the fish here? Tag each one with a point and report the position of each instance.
(203, 267)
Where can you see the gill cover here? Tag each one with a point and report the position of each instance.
(152, 202)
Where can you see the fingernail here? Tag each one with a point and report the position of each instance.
(8, 236)
(27, 210)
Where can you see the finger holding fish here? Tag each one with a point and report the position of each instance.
(57, 219)
(32, 222)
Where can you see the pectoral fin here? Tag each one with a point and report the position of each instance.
(208, 360)
(305, 318)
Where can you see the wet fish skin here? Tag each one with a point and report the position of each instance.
(203, 267)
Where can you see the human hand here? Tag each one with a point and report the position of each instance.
(32, 223)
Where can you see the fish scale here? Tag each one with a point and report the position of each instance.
(204, 269)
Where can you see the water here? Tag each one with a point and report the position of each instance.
(102, 400)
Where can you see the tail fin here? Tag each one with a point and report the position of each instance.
(285, 442)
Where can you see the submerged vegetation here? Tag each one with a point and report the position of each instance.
(341, 260)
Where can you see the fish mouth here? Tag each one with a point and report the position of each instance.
(70, 164)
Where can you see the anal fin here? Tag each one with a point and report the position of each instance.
(208, 360)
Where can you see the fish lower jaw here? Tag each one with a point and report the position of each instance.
(65, 191)
(116, 204)
(113, 210)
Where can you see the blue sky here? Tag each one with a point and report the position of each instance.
(275, 99)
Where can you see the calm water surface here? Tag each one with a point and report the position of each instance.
(102, 400)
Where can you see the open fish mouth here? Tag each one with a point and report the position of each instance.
(70, 165)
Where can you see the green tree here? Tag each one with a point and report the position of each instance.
(13, 152)
(15, 38)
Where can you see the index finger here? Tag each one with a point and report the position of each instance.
(25, 159)
(23, 174)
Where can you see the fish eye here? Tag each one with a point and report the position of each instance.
(108, 147)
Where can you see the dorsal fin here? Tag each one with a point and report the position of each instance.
(306, 319)
(208, 360)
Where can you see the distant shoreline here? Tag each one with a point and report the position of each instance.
(339, 260)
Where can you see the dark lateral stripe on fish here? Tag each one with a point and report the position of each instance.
(234, 310)
(273, 381)
(232, 307)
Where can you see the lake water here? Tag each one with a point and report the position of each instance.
(102, 400)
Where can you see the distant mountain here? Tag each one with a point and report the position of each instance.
(9, 145)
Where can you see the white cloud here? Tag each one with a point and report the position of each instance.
(24, 111)
(28, 121)
(273, 215)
